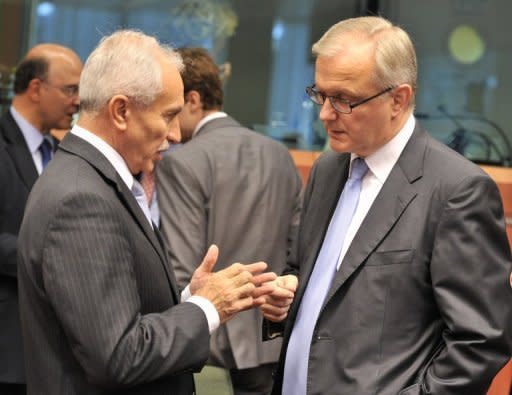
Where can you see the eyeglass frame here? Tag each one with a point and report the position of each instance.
(68, 90)
(312, 92)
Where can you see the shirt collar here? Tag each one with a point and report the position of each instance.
(208, 118)
(32, 136)
(108, 151)
(381, 162)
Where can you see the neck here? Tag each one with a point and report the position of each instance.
(29, 112)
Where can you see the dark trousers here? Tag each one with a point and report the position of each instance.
(13, 389)
(253, 381)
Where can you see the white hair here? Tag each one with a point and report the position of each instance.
(395, 57)
(124, 63)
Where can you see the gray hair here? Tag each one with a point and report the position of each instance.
(395, 57)
(124, 63)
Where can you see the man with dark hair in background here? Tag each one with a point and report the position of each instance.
(233, 187)
(45, 97)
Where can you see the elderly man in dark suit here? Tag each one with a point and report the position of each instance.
(402, 257)
(238, 189)
(45, 97)
(100, 308)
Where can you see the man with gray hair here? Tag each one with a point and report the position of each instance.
(402, 254)
(100, 309)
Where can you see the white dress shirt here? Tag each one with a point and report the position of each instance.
(32, 136)
(380, 164)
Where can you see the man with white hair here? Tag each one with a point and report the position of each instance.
(402, 255)
(100, 309)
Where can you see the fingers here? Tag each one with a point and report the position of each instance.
(274, 313)
(262, 290)
(263, 278)
(210, 259)
(289, 282)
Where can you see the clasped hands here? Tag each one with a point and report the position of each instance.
(243, 286)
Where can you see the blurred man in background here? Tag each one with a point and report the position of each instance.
(45, 97)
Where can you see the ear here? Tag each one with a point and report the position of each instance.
(193, 100)
(34, 89)
(402, 96)
(119, 111)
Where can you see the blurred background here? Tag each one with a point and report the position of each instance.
(264, 47)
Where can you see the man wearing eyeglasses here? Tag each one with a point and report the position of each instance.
(45, 97)
(402, 259)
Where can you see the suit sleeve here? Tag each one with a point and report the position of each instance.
(183, 216)
(88, 273)
(8, 241)
(470, 267)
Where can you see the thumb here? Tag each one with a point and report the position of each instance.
(210, 259)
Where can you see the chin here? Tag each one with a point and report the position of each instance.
(337, 146)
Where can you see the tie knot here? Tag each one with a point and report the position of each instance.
(359, 169)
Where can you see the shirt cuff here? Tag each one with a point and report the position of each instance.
(212, 316)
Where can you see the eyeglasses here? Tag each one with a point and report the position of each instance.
(339, 104)
(68, 90)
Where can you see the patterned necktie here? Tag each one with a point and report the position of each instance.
(140, 196)
(148, 183)
(297, 355)
(46, 151)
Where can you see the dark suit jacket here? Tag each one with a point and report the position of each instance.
(98, 299)
(240, 190)
(421, 303)
(17, 175)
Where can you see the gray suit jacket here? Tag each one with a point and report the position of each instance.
(421, 303)
(240, 190)
(98, 299)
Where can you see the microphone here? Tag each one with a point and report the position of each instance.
(460, 140)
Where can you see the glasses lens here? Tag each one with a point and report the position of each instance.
(314, 95)
(341, 105)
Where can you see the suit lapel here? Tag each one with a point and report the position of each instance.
(17, 149)
(396, 194)
(335, 173)
(89, 153)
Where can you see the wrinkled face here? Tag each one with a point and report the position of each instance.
(349, 75)
(59, 92)
(151, 129)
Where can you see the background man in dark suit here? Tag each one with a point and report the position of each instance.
(418, 301)
(46, 96)
(99, 303)
(233, 187)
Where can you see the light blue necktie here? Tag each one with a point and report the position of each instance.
(297, 355)
(140, 196)
(46, 151)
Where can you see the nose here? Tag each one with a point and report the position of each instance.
(174, 134)
(76, 100)
(327, 112)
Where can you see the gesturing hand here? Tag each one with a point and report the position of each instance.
(277, 303)
(234, 289)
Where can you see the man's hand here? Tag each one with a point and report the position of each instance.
(234, 289)
(278, 302)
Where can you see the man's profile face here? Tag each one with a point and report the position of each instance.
(349, 74)
(59, 92)
(151, 129)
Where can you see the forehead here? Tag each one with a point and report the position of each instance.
(351, 67)
(172, 84)
(64, 67)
